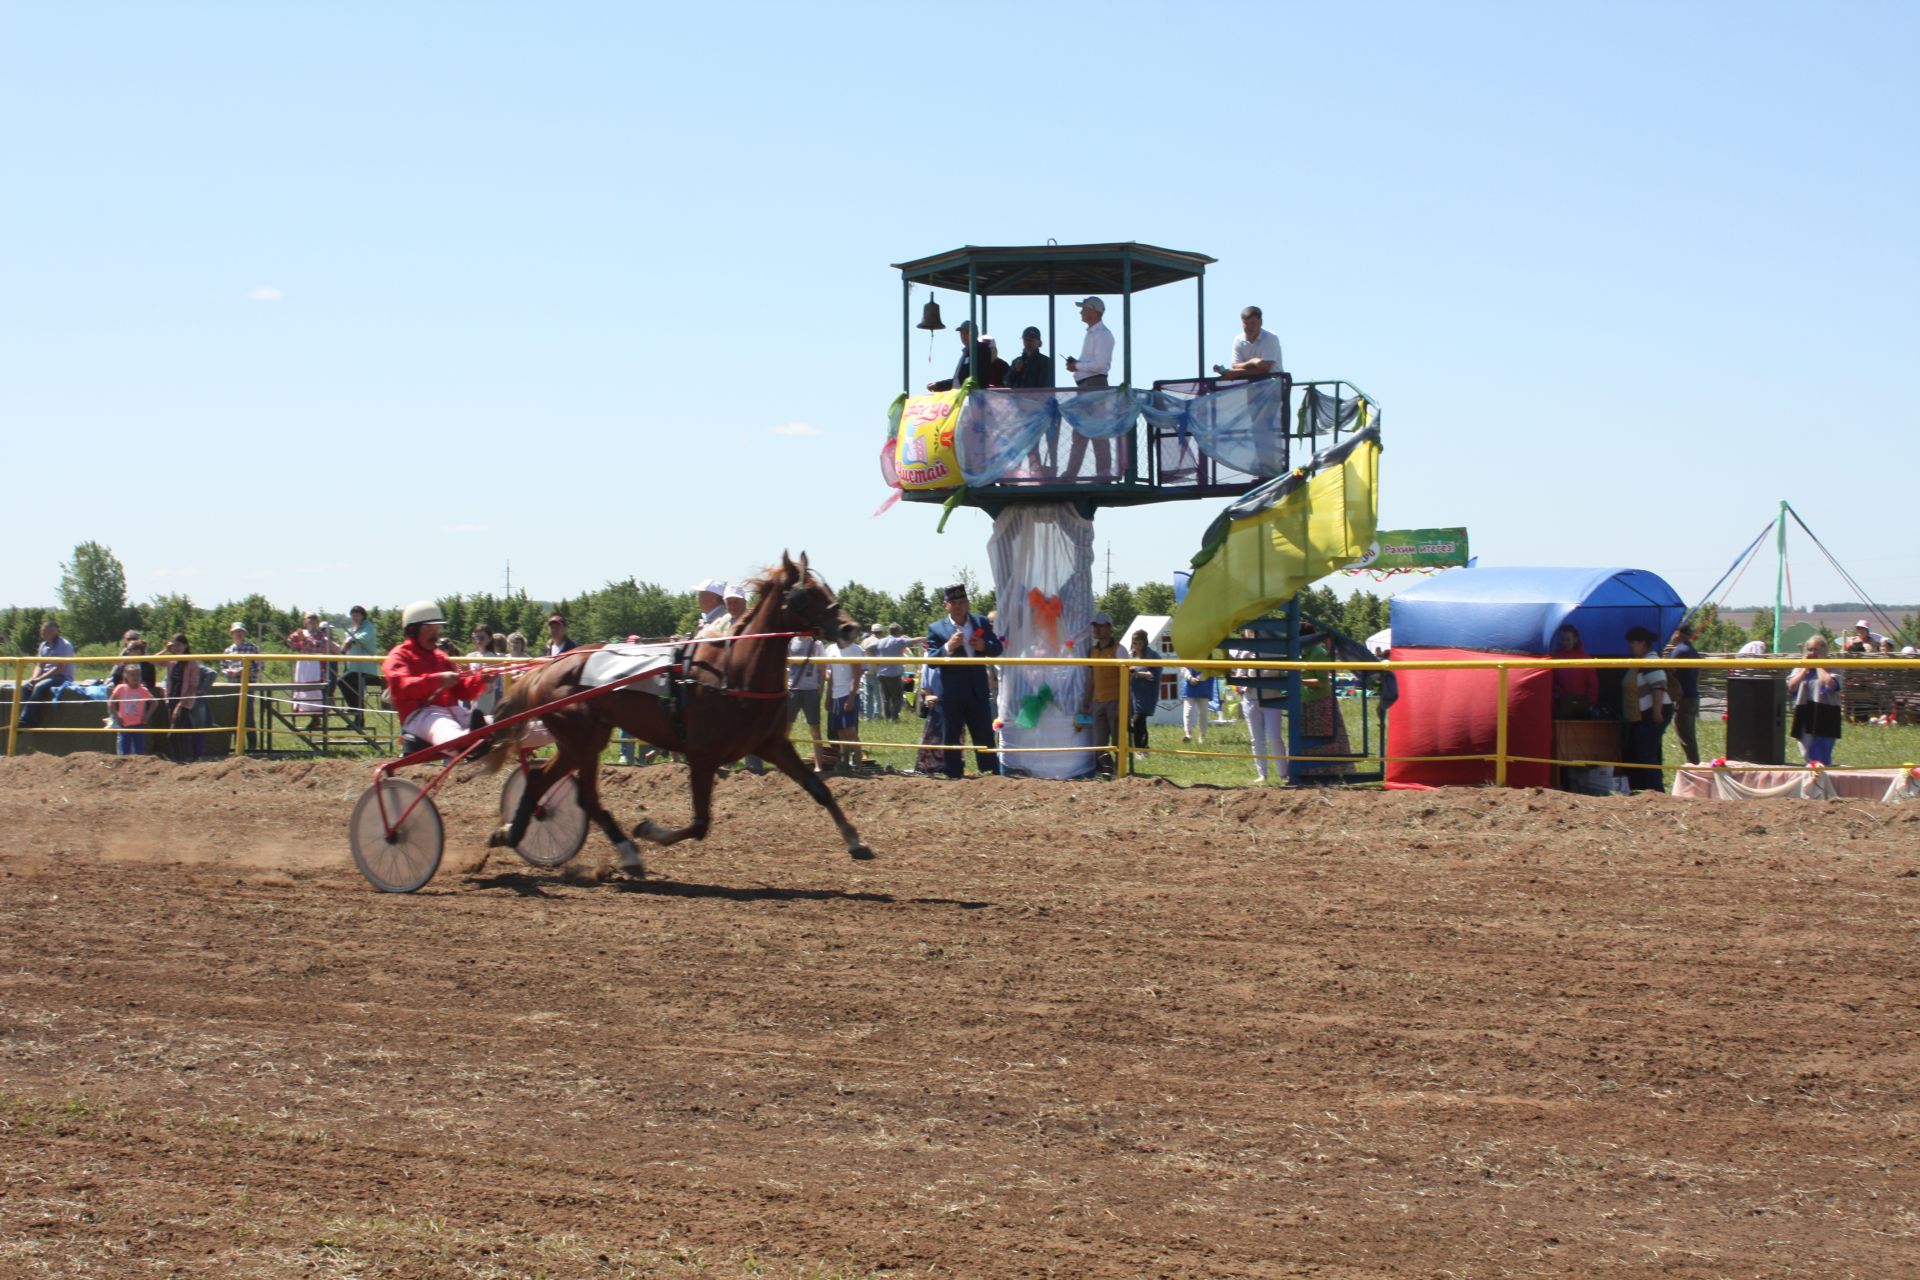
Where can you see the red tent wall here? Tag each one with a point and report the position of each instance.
(1453, 713)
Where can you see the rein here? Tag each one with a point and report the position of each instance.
(726, 691)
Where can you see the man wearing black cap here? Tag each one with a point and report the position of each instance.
(1032, 367)
(1686, 698)
(965, 703)
(968, 350)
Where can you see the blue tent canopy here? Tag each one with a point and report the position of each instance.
(1517, 610)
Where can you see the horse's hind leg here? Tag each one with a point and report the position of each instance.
(700, 773)
(778, 751)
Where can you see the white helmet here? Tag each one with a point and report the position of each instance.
(421, 611)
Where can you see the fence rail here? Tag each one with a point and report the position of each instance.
(246, 692)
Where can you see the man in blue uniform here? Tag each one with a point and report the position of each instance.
(964, 701)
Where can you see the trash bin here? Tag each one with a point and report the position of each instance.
(1757, 717)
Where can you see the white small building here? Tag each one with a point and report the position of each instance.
(1158, 628)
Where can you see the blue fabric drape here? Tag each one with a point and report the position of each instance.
(1242, 427)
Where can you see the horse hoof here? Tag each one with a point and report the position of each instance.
(629, 863)
(860, 853)
(500, 838)
(645, 830)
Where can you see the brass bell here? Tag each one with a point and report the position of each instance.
(930, 316)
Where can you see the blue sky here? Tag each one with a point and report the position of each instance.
(363, 301)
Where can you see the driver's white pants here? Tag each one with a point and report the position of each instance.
(437, 725)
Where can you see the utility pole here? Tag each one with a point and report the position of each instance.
(1779, 569)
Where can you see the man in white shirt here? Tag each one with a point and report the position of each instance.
(710, 597)
(1256, 353)
(843, 698)
(1089, 371)
(1095, 361)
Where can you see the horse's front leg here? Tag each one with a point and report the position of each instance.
(778, 751)
(626, 858)
(701, 774)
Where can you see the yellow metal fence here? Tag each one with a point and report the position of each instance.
(1500, 757)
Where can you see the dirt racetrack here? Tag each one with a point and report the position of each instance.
(1055, 1029)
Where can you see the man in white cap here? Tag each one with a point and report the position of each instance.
(1089, 371)
(870, 706)
(1095, 361)
(1864, 638)
(711, 597)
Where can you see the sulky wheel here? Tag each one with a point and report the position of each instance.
(404, 860)
(559, 824)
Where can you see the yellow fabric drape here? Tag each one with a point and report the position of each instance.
(1322, 525)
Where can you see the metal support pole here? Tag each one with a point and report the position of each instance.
(972, 344)
(1123, 746)
(1200, 328)
(1500, 733)
(1779, 570)
(13, 715)
(240, 714)
(906, 334)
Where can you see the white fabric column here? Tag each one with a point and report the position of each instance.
(1044, 547)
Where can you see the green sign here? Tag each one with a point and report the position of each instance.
(1409, 550)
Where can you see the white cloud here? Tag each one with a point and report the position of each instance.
(466, 526)
(796, 429)
(265, 293)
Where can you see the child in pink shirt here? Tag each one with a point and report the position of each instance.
(128, 707)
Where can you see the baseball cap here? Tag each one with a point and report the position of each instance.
(556, 618)
(734, 591)
(876, 628)
(1031, 331)
(237, 625)
(1862, 624)
(1103, 618)
(1095, 303)
(712, 586)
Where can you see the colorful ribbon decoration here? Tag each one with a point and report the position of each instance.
(1046, 616)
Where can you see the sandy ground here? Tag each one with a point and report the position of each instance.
(1055, 1029)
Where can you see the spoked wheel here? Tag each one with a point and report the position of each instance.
(406, 858)
(559, 824)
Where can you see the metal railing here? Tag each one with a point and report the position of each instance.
(1500, 757)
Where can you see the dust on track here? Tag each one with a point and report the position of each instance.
(1056, 1029)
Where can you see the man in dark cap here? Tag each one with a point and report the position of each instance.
(972, 354)
(965, 703)
(1686, 698)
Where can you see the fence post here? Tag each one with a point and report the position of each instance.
(13, 713)
(1500, 734)
(1123, 732)
(240, 714)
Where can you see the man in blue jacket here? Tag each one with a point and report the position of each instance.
(964, 700)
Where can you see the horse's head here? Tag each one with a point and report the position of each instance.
(804, 601)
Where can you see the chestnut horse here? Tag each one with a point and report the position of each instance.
(730, 701)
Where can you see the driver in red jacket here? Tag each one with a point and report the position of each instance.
(424, 685)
